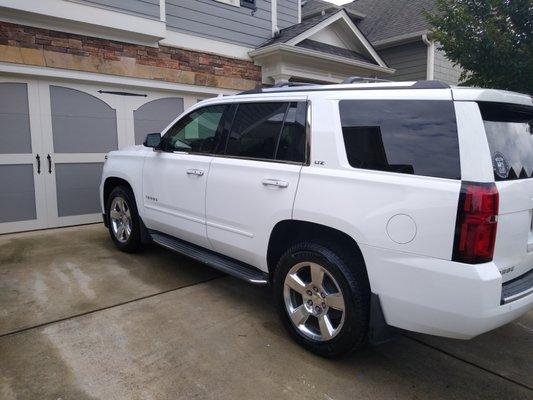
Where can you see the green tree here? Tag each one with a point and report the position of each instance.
(492, 40)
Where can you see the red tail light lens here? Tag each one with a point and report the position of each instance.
(477, 220)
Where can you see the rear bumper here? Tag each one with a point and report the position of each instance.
(440, 297)
(517, 288)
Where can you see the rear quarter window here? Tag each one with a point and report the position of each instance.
(416, 137)
(509, 134)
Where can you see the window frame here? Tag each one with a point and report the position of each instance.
(233, 107)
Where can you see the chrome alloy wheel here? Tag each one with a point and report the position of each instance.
(314, 301)
(120, 216)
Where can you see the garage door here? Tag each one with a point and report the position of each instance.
(53, 141)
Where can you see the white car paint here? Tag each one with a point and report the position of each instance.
(229, 210)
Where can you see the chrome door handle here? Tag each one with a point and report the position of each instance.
(275, 182)
(194, 171)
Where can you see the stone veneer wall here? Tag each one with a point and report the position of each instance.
(42, 47)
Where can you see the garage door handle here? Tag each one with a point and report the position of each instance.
(194, 171)
(275, 182)
(38, 158)
(49, 158)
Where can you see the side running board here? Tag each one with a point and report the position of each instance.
(225, 264)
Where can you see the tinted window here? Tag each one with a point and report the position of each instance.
(405, 136)
(509, 133)
(256, 129)
(291, 145)
(198, 132)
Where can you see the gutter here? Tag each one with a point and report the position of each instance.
(274, 16)
(430, 73)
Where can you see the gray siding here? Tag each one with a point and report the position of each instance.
(214, 20)
(445, 70)
(409, 60)
(143, 8)
(287, 13)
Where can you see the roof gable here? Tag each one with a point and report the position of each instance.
(327, 31)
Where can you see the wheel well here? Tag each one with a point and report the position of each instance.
(111, 183)
(288, 232)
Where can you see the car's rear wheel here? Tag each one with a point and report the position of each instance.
(123, 219)
(323, 298)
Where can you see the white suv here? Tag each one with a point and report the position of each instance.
(365, 205)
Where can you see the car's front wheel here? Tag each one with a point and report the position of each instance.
(323, 298)
(123, 219)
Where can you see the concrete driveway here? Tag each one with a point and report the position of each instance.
(80, 320)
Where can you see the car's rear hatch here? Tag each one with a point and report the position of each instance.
(510, 137)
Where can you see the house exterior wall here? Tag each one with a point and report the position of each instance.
(409, 60)
(144, 8)
(445, 71)
(46, 48)
(224, 22)
(287, 13)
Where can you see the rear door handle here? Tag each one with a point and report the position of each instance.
(195, 171)
(275, 182)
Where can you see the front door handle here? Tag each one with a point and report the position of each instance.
(195, 171)
(38, 158)
(49, 158)
(275, 182)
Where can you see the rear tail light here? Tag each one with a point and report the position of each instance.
(477, 220)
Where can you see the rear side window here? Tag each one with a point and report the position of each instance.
(404, 136)
(268, 131)
(509, 133)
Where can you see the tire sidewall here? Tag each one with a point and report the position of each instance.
(355, 328)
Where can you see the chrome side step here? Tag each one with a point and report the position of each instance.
(225, 264)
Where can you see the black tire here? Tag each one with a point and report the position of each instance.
(133, 242)
(348, 270)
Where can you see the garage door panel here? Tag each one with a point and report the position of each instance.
(15, 135)
(81, 123)
(77, 188)
(17, 198)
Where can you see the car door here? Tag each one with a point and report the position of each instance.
(252, 185)
(174, 178)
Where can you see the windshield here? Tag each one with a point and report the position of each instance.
(509, 133)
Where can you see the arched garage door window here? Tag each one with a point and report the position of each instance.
(155, 116)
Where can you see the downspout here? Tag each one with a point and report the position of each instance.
(274, 12)
(430, 73)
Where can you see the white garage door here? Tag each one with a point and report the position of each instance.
(53, 140)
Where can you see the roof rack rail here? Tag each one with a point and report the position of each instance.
(362, 79)
(293, 84)
(279, 85)
(295, 87)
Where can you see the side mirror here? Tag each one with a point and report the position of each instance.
(152, 140)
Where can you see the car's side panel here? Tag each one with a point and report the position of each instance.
(475, 167)
(403, 212)
(242, 208)
(126, 164)
(174, 187)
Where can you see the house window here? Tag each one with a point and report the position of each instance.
(248, 4)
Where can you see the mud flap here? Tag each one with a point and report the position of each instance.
(379, 332)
